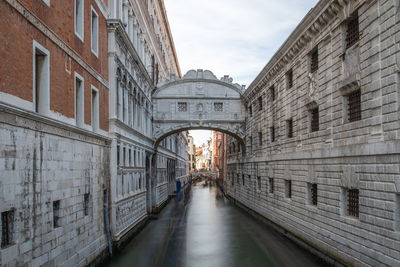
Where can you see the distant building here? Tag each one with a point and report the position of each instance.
(191, 153)
(216, 141)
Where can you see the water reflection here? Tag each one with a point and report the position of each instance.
(209, 231)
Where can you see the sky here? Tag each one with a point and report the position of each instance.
(231, 37)
(200, 136)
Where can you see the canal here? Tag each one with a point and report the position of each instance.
(210, 231)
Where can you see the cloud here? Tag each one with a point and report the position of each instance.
(232, 37)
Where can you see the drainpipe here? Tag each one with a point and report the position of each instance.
(107, 222)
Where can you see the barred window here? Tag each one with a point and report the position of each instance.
(314, 119)
(250, 111)
(313, 190)
(118, 155)
(352, 33)
(182, 107)
(259, 182)
(272, 93)
(354, 106)
(7, 228)
(272, 130)
(289, 78)
(243, 179)
(353, 202)
(56, 214)
(314, 60)
(260, 141)
(289, 127)
(271, 185)
(219, 107)
(260, 103)
(251, 142)
(288, 188)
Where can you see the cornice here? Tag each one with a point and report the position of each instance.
(312, 24)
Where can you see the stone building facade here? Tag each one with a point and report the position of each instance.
(322, 147)
(141, 53)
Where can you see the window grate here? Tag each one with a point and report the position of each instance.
(272, 134)
(289, 77)
(314, 120)
(182, 107)
(354, 105)
(314, 61)
(219, 107)
(352, 34)
(56, 213)
(288, 188)
(314, 194)
(353, 202)
(271, 185)
(289, 128)
(7, 220)
(272, 93)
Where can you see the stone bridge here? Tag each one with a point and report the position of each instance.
(198, 100)
(197, 174)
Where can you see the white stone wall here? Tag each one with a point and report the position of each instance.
(44, 161)
(363, 155)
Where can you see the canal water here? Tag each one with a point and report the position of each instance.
(210, 232)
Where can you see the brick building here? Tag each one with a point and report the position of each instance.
(322, 149)
(76, 126)
(53, 131)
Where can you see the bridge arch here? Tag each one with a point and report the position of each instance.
(198, 100)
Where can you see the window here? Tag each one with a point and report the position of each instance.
(260, 141)
(130, 156)
(124, 156)
(272, 93)
(259, 183)
(182, 107)
(95, 32)
(354, 106)
(288, 188)
(79, 100)
(238, 178)
(314, 60)
(352, 32)
(79, 18)
(272, 130)
(289, 79)
(251, 143)
(218, 107)
(260, 103)
(95, 109)
(397, 212)
(41, 79)
(118, 155)
(250, 111)
(7, 228)
(312, 194)
(86, 204)
(314, 119)
(56, 214)
(289, 128)
(353, 202)
(243, 179)
(271, 185)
